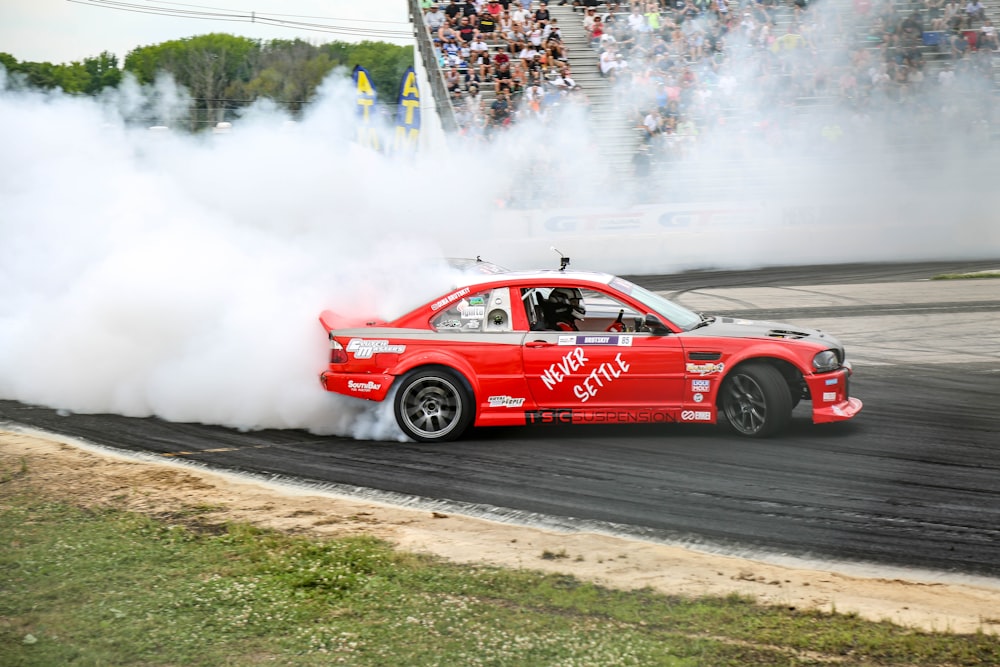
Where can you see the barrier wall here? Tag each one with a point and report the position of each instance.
(670, 237)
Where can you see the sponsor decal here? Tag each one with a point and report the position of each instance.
(696, 415)
(829, 396)
(451, 298)
(711, 218)
(505, 402)
(593, 223)
(832, 381)
(639, 416)
(573, 361)
(549, 417)
(610, 371)
(578, 416)
(706, 369)
(621, 341)
(365, 348)
(477, 301)
(363, 387)
(473, 324)
(701, 385)
(473, 312)
(698, 398)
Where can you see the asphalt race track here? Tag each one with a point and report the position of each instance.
(914, 481)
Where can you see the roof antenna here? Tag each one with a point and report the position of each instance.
(563, 259)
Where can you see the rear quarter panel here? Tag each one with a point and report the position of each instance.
(493, 370)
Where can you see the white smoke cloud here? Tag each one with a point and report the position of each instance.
(160, 273)
(178, 275)
(787, 169)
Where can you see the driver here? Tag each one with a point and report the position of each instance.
(563, 308)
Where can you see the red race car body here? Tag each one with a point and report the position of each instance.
(573, 347)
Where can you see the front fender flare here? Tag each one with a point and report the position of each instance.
(765, 352)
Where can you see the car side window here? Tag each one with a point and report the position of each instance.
(601, 312)
(488, 310)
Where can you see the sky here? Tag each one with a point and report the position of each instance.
(63, 31)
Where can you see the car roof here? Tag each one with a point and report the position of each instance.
(537, 275)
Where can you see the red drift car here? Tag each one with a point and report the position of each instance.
(572, 347)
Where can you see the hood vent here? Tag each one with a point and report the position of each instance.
(784, 333)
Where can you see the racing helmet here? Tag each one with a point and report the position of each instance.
(567, 302)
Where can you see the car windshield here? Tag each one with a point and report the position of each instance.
(676, 313)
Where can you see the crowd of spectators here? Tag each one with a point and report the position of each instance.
(503, 60)
(684, 67)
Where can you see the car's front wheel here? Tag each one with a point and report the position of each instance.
(756, 400)
(433, 405)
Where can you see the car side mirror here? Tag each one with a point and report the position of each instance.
(655, 325)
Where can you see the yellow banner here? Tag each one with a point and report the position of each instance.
(408, 113)
(366, 100)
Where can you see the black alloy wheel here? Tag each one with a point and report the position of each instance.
(434, 405)
(756, 400)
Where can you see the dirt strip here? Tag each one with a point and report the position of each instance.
(93, 477)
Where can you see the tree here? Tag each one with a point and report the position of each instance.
(224, 72)
(206, 65)
(88, 77)
(287, 72)
(103, 71)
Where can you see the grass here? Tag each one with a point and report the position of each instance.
(974, 275)
(95, 587)
(9, 475)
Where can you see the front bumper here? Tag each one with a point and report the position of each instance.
(831, 397)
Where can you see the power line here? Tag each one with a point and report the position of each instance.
(296, 16)
(218, 14)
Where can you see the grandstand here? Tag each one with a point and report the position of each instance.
(741, 77)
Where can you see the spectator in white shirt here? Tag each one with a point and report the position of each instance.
(434, 19)
(988, 36)
(563, 80)
(635, 19)
(975, 11)
(517, 14)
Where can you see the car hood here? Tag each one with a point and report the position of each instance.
(734, 327)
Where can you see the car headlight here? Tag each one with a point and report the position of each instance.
(826, 361)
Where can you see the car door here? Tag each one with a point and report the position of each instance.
(600, 369)
(595, 370)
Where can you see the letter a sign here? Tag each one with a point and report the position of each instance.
(408, 114)
(367, 130)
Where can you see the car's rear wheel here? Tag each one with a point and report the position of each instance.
(433, 405)
(756, 400)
